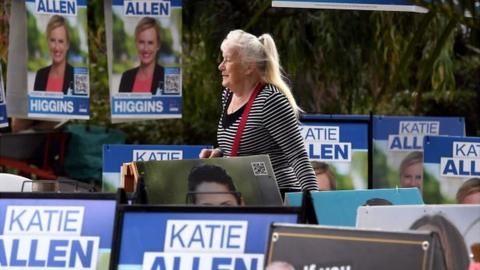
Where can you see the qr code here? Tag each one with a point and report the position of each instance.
(259, 168)
(81, 84)
(172, 83)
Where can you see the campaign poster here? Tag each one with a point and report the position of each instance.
(195, 238)
(56, 232)
(339, 208)
(398, 150)
(114, 155)
(386, 5)
(232, 181)
(3, 107)
(451, 163)
(310, 247)
(146, 74)
(338, 150)
(458, 225)
(57, 59)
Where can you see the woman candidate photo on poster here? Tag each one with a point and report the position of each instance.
(149, 75)
(57, 77)
(259, 111)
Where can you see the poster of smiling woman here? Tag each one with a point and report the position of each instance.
(53, 62)
(145, 80)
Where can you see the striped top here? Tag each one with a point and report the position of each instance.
(271, 129)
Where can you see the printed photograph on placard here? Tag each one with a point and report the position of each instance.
(146, 74)
(57, 62)
(453, 163)
(234, 181)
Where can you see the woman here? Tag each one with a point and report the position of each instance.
(259, 111)
(147, 77)
(211, 185)
(469, 192)
(411, 171)
(58, 77)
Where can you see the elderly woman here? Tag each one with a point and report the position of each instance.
(259, 112)
(147, 77)
(57, 77)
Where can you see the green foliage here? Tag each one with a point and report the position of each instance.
(337, 62)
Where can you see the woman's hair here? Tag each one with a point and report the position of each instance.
(470, 186)
(455, 254)
(55, 22)
(322, 167)
(263, 52)
(146, 23)
(411, 159)
(211, 174)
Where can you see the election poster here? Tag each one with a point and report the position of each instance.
(339, 208)
(452, 163)
(386, 5)
(3, 106)
(458, 225)
(56, 230)
(153, 237)
(398, 150)
(146, 74)
(115, 155)
(311, 247)
(338, 149)
(57, 59)
(232, 181)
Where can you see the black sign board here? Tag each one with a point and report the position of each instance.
(310, 247)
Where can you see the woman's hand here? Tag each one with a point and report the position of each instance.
(210, 153)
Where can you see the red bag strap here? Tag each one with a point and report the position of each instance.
(243, 121)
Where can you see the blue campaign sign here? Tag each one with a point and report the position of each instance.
(195, 238)
(342, 142)
(3, 115)
(56, 231)
(3, 106)
(385, 126)
(398, 147)
(387, 5)
(67, 97)
(159, 94)
(451, 161)
(339, 208)
(114, 155)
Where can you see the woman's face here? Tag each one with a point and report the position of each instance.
(147, 46)
(412, 176)
(232, 70)
(206, 195)
(58, 45)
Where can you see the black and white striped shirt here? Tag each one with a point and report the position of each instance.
(271, 129)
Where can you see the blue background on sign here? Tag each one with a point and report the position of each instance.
(114, 155)
(436, 147)
(142, 232)
(388, 125)
(98, 216)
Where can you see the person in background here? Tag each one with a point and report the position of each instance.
(469, 192)
(411, 171)
(58, 77)
(211, 185)
(259, 111)
(147, 77)
(325, 176)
